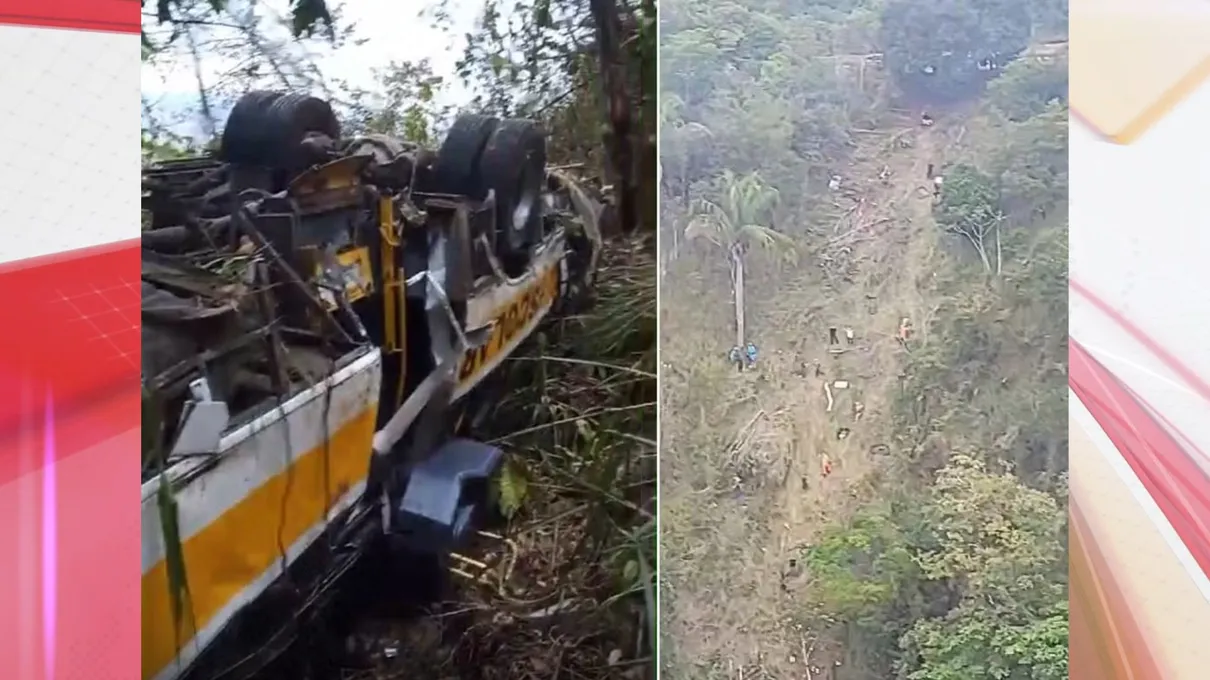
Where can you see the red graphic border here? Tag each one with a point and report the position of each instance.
(118, 16)
(69, 419)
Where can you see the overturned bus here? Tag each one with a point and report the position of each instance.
(317, 314)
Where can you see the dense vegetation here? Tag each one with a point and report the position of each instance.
(578, 416)
(938, 549)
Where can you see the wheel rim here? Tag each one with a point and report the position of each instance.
(528, 195)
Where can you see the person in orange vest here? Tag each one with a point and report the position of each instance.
(827, 465)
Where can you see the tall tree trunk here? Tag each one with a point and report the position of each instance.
(999, 252)
(737, 284)
(621, 131)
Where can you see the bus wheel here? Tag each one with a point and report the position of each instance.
(514, 166)
(267, 130)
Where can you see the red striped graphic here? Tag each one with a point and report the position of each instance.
(120, 16)
(69, 418)
(1172, 478)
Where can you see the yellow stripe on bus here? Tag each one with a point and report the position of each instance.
(511, 318)
(232, 551)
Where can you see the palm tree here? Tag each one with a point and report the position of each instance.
(734, 225)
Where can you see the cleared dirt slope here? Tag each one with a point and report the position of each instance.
(743, 488)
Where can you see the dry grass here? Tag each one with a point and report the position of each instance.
(742, 484)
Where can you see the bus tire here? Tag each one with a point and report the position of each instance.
(514, 166)
(456, 167)
(266, 130)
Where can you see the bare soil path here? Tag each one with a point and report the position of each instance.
(732, 535)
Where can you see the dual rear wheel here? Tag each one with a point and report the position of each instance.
(480, 156)
(484, 155)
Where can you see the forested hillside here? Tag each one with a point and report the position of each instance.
(889, 502)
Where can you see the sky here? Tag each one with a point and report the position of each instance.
(390, 30)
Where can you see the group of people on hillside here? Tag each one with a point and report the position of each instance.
(744, 357)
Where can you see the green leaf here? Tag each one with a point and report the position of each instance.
(631, 571)
(174, 554)
(498, 64)
(513, 488)
(542, 14)
(309, 16)
(586, 431)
